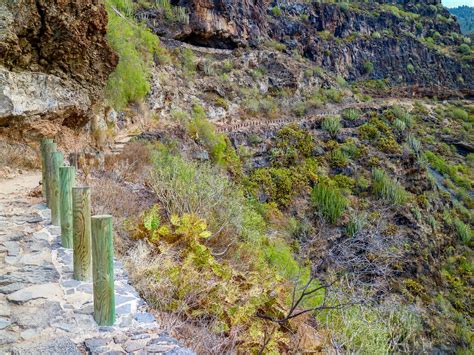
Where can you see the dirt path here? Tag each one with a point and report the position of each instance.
(42, 309)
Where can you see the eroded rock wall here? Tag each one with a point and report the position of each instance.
(54, 60)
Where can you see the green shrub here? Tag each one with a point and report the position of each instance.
(464, 48)
(332, 125)
(387, 189)
(276, 11)
(299, 108)
(410, 68)
(463, 230)
(459, 114)
(338, 159)
(217, 144)
(188, 61)
(292, 145)
(135, 45)
(280, 185)
(187, 187)
(329, 202)
(333, 95)
(368, 67)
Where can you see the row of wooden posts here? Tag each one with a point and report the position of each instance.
(90, 237)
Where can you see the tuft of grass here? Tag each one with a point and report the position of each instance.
(385, 188)
(351, 114)
(356, 223)
(463, 230)
(329, 202)
(332, 125)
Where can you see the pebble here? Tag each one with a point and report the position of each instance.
(145, 317)
(4, 322)
(49, 291)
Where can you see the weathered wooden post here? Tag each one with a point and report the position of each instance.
(81, 221)
(57, 160)
(103, 269)
(48, 149)
(44, 142)
(67, 179)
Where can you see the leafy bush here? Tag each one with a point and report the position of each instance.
(292, 144)
(279, 185)
(368, 67)
(338, 159)
(464, 48)
(459, 114)
(329, 202)
(189, 272)
(188, 188)
(332, 125)
(135, 45)
(399, 125)
(218, 145)
(276, 11)
(387, 189)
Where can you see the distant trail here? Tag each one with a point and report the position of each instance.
(318, 116)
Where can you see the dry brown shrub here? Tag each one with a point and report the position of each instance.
(144, 266)
(17, 155)
(133, 163)
(124, 202)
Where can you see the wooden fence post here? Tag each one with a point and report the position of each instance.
(44, 142)
(81, 221)
(67, 182)
(103, 269)
(57, 160)
(48, 149)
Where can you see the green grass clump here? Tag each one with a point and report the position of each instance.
(356, 224)
(459, 114)
(332, 125)
(387, 189)
(452, 171)
(276, 11)
(135, 45)
(351, 114)
(463, 230)
(329, 202)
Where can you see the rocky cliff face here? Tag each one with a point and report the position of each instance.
(54, 60)
(340, 38)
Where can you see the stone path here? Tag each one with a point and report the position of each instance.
(42, 309)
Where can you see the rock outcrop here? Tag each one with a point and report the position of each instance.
(401, 43)
(54, 60)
